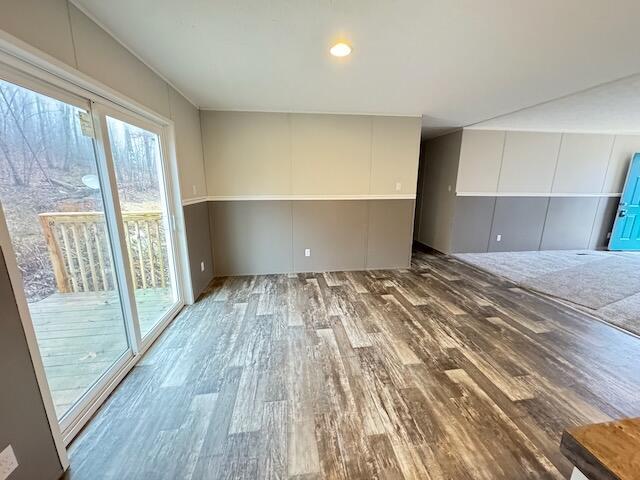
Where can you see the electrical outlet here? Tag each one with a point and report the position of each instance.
(195, 189)
(449, 188)
(398, 186)
(307, 252)
(202, 266)
(498, 238)
(8, 462)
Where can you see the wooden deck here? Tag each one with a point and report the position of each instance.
(80, 335)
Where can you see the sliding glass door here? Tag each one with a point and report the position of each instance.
(140, 179)
(52, 196)
(85, 195)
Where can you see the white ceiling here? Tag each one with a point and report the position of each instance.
(456, 62)
(610, 108)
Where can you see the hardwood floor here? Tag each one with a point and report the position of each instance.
(437, 372)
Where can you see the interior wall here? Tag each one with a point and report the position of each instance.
(60, 29)
(251, 154)
(23, 420)
(188, 138)
(196, 220)
(538, 190)
(437, 191)
(342, 186)
(270, 236)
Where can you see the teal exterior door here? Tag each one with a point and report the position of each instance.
(626, 229)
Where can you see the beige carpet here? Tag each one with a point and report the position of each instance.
(605, 284)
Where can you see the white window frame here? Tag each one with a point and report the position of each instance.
(54, 78)
(100, 113)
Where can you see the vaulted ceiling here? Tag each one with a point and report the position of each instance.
(610, 108)
(455, 62)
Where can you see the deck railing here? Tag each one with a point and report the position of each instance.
(81, 255)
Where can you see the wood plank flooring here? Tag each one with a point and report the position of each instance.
(437, 372)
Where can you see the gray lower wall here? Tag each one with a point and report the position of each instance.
(23, 420)
(389, 237)
(196, 220)
(261, 237)
(472, 224)
(603, 223)
(532, 223)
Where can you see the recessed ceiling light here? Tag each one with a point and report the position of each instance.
(340, 50)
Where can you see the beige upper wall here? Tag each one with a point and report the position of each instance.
(43, 24)
(624, 146)
(247, 154)
(480, 161)
(330, 154)
(395, 151)
(528, 162)
(251, 154)
(186, 119)
(582, 163)
(541, 163)
(61, 30)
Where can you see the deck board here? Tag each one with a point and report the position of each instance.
(80, 335)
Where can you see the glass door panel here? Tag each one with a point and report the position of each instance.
(51, 194)
(139, 172)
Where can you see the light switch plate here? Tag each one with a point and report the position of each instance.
(8, 462)
(498, 238)
(398, 186)
(307, 252)
(202, 266)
